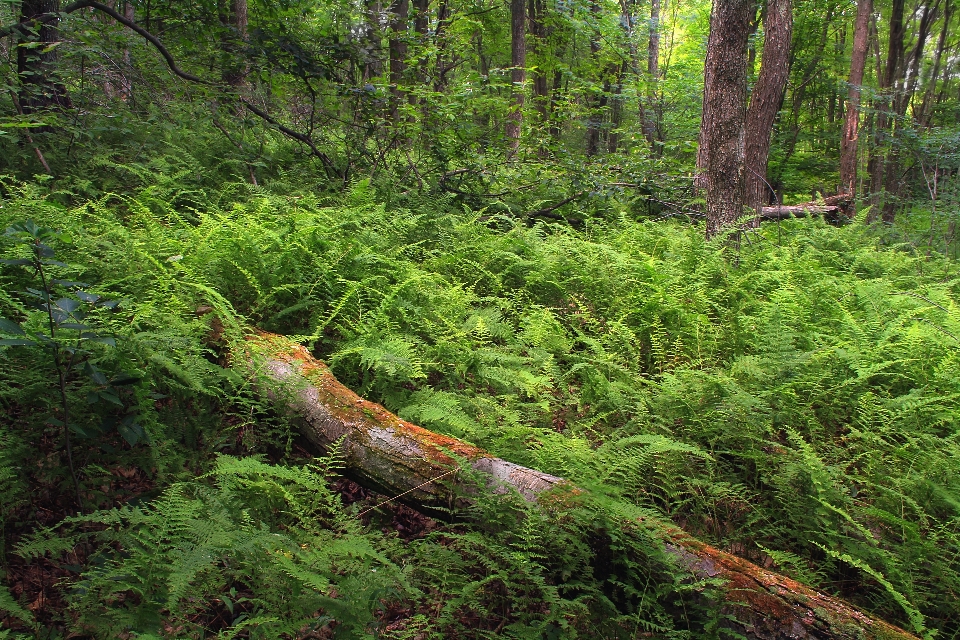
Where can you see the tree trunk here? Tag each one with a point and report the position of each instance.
(440, 37)
(924, 111)
(518, 73)
(373, 66)
(653, 76)
(904, 86)
(538, 35)
(595, 105)
(724, 108)
(616, 108)
(884, 120)
(399, 12)
(425, 470)
(851, 125)
(234, 72)
(36, 64)
(766, 100)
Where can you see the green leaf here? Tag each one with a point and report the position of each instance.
(101, 339)
(16, 342)
(74, 325)
(68, 304)
(131, 430)
(18, 262)
(124, 379)
(111, 397)
(8, 326)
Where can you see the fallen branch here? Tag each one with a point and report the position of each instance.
(796, 211)
(400, 459)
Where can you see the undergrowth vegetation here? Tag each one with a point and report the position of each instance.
(793, 400)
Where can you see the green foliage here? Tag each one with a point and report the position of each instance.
(796, 404)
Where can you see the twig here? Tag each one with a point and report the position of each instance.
(397, 497)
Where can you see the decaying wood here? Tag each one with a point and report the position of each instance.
(797, 211)
(830, 208)
(398, 458)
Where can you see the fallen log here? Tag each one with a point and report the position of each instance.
(423, 468)
(832, 208)
(781, 212)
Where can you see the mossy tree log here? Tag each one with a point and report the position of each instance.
(423, 469)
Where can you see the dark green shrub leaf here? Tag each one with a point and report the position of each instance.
(16, 342)
(8, 326)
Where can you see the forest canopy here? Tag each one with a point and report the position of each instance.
(694, 260)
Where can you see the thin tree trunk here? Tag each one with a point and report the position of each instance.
(724, 107)
(851, 125)
(518, 73)
(884, 120)
(904, 84)
(426, 470)
(616, 109)
(653, 76)
(373, 66)
(234, 72)
(595, 105)
(36, 64)
(399, 12)
(766, 100)
(538, 35)
(440, 37)
(127, 86)
(923, 112)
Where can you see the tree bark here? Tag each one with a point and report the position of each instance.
(234, 72)
(650, 129)
(424, 469)
(597, 104)
(373, 66)
(851, 125)
(399, 12)
(538, 35)
(884, 120)
(36, 64)
(724, 107)
(924, 111)
(518, 73)
(766, 100)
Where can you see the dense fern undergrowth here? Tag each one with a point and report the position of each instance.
(793, 400)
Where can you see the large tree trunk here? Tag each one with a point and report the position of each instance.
(424, 469)
(36, 64)
(724, 113)
(518, 73)
(851, 125)
(766, 100)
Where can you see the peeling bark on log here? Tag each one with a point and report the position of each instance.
(796, 211)
(830, 208)
(395, 457)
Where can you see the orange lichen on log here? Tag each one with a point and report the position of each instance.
(404, 460)
(352, 409)
(771, 602)
(388, 454)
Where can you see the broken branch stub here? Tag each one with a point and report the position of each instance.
(398, 458)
